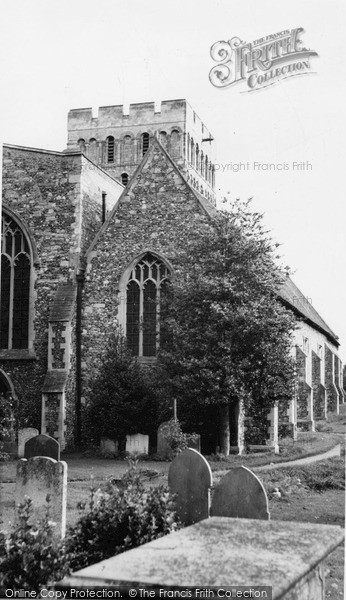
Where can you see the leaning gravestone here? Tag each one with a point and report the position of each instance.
(42, 445)
(41, 476)
(190, 478)
(240, 494)
(24, 435)
(108, 446)
(137, 443)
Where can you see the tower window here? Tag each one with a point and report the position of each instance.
(81, 144)
(16, 266)
(145, 143)
(163, 138)
(144, 289)
(110, 149)
(124, 179)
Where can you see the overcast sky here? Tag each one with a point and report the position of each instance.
(57, 55)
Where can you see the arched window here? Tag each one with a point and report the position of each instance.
(110, 149)
(175, 143)
(202, 164)
(197, 158)
(145, 143)
(145, 286)
(193, 152)
(16, 267)
(206, 168)
(81, 144)
(124, 178)
(163, 138)
(188, 149)
(92, 149)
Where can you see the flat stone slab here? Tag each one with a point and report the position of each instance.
(190, 478)
(219, 552)
(240, 494)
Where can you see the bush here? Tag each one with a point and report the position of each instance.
(120, 399)
(176, 439)
(30, 557)
(120, 517)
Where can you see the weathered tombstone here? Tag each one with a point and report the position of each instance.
(163, 447)
(108, 446)
(240, 494)
(24, 435)
(42, 445)
(137, 443)
(190, 478)
(38, 477)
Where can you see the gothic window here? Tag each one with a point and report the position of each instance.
(145, 143)
(110, 149)
(81, 144)
(124, 179)
(16, 266)
(188, 148)
(202, 164)
(144, 289)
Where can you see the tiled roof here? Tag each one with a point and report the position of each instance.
(292, 295)
(63, 303)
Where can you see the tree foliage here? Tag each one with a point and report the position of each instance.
(226, 336)
(121, 399)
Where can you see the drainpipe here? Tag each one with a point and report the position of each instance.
(78, 424)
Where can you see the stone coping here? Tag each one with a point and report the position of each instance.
(218, 552)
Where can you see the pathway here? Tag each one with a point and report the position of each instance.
(301, 461)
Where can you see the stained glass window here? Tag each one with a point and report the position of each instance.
(144, 289)
(15, 286)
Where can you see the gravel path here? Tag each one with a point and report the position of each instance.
(301, 461)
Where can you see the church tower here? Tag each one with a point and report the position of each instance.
(117, 140)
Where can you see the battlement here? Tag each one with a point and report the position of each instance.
(120, 115)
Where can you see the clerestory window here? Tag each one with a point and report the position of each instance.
(146, 284)
(16, 269)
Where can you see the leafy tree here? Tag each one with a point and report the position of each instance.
(225, 335)
(121, 399)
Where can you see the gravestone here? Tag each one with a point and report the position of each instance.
(42, 445)
(24, 435)
(38, 477)
(240, 494)
(190, 478)
(137, 443)
(108, 446)
(163, 447)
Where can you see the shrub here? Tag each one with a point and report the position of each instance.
(120, 517)
(176, 439)
(30, 557)
(120, 399)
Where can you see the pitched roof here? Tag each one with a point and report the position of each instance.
(55, 381)
(295, 299)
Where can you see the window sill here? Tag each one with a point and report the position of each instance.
(16, 354)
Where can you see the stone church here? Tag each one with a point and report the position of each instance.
(88, 241)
